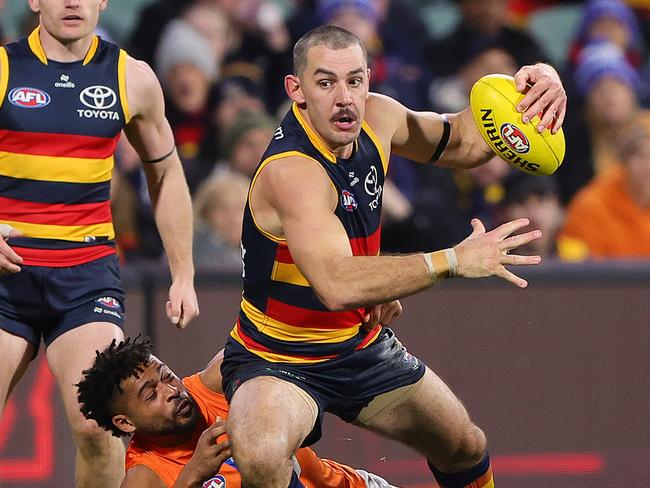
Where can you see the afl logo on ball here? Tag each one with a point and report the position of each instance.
(348, 201)
(29, 97)
(514, 138)
(216, 482)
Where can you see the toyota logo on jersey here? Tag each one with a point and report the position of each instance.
(98, 97)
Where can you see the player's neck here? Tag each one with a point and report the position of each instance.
(64, 51)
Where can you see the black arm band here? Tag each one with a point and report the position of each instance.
(158, 160)
(444, 140)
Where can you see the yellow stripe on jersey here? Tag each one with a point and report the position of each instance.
(377, 142)
(314, 138)
(75, 233)
(273, 357)
(49, 168)
(35, 45)
(288, 273)
(290, 333)
(121, 79)
(92, 50)
(4, 73)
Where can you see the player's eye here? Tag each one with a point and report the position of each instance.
(152, 396)
(325, 83)
(356, 82)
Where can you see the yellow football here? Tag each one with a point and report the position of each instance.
(493, 101)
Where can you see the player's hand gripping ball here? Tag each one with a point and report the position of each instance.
(493, 101)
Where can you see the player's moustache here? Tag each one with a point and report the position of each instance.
(344, 113)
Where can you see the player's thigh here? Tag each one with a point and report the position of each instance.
(270, 416)
(72, 352)
(431, 419)
(16, 353)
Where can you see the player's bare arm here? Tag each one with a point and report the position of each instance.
(417, 135)
(150, 134)
(141, 477)
(319, 245)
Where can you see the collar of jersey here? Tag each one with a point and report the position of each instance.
(34, 41)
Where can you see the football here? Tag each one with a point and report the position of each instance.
(493, 101)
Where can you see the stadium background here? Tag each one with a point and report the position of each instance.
(558, 375)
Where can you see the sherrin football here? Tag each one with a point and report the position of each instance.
(493, 101)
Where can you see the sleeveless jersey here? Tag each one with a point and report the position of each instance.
(59, 125)
(167, 462)
(281, 319)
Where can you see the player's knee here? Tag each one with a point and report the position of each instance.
(467, 451)
(265, 459)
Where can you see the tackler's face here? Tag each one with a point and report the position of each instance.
(334, 89)
(155, 404)
(68, 20)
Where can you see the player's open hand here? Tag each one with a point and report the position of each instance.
(210, 453)
(545, 96)
(182, 305)
(9, 261)
(384, 314)
(485, 254)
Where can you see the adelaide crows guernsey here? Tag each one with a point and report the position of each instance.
(59, 125)
(281, 319)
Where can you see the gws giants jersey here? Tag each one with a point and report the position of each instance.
(59, 125)
(281, 318)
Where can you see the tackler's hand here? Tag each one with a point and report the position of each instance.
(544, 96)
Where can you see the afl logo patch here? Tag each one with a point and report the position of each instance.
(348, 201)
(29, 97)
(515, 138)
(98, 97)
(216, 482)
(109, 302)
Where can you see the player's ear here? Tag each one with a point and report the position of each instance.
(34, 6)
(123, 423)
(294, 89)
(103, 4)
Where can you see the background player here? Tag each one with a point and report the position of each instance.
(65, 96)
(177, 425)
(312, 275)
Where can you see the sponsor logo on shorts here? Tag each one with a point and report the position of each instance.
(109, 302)
(348, 202)
(515, 138)
(499, 145)
(108, 306)
(216, 482)
(26, 97)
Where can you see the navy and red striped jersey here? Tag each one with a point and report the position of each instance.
(59, 125)
(281, 318)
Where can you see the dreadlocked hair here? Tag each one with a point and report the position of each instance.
(101, 382)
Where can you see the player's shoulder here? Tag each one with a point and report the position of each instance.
(139, 73)
(141, 476)
(383, 113)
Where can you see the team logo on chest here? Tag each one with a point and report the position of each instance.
(348, 202)
(373, 188)
(98, 99)
(26, 97)
(216, 482)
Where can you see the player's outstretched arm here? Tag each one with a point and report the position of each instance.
(421, 136)
(150, 134)
(304, 215)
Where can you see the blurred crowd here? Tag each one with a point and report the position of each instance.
(222, 62)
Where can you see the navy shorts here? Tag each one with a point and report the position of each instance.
(342, 386)
(46, 302)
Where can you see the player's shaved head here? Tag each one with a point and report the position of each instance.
(326, 35)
